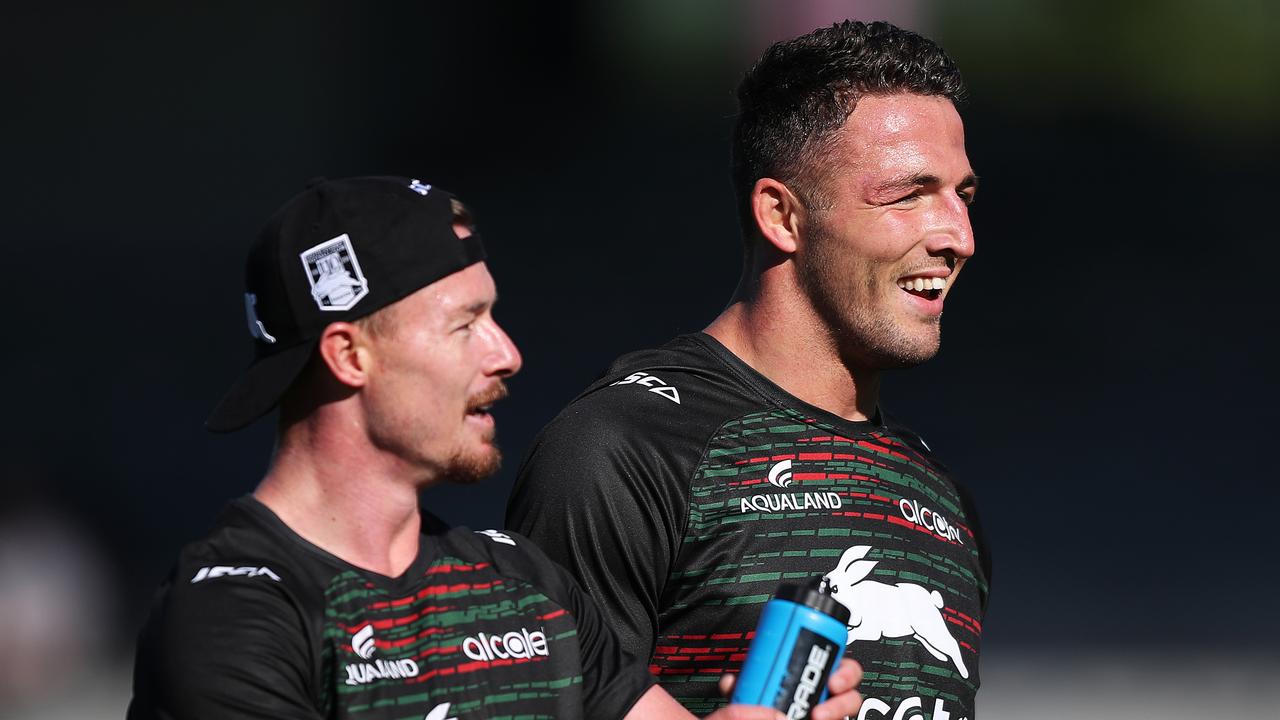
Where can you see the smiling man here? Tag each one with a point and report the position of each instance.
(690, 480)
(324, 594)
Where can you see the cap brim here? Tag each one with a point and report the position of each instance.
(259, 389)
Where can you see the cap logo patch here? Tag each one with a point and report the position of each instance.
(256, 328)
(334, 273)
(418, 187)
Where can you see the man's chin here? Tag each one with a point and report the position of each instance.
(910, 357)
(891, 353)
(916, 343)
(473, 468)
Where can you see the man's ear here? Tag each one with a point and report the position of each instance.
(777, 213)
(343, 348)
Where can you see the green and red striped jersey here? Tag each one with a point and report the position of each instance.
(683, 487)
(256, 622)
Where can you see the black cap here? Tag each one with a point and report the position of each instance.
(814, 595)
(339, 250)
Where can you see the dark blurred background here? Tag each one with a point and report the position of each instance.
(1105, 385)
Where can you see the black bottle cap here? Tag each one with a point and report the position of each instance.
(813, 594)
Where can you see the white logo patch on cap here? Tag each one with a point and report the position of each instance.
(418, 187)
(334, 273)
(256, 328)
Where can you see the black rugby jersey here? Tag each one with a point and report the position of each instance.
(683, 487)
(256, 622)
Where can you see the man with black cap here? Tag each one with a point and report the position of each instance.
(327, 593)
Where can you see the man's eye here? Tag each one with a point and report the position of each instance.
(966, 197)
(907, 199)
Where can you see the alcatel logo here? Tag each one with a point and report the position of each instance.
(518, 645)
(926, 518)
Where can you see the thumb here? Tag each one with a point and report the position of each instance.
(726, 683)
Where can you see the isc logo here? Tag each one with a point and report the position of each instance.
(217, 571)
(653, 383)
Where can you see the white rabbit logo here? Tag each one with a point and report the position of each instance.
(878, 610)
(440, 711)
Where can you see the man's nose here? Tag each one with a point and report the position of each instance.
(951, 234)
(504, 358)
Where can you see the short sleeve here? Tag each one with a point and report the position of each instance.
(602, 497)
(613, 679)
(230, 647)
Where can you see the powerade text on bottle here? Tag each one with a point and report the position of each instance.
(798, 644)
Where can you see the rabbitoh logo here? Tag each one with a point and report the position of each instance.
(780, 474)
(878, 610)
(440, 712)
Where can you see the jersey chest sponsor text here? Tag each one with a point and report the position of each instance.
(519, 644)
(379, 669)
(462, 620)
(782, 502)
(912, 707)
(522, 644)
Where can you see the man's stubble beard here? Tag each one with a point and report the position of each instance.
(462, 465)
(864, 336)
(469, 468)
(465, 468)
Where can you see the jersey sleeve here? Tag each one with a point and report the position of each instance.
(602, 496)
(984, 548)
(613, 679)
(228, 647)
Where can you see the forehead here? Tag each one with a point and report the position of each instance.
(465, 290)
(904, 133)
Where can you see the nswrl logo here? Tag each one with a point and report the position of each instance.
(337, 283)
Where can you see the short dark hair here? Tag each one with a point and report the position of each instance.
(801, 91)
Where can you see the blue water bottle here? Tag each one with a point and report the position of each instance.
(798, 644)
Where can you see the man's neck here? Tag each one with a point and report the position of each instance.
(780, 335)
(347, 498)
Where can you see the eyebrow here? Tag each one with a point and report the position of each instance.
(970, 181)
(476, 308)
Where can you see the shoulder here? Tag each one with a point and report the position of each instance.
(915, 443)
(246, 549)
(668, 397)
(686, 372)
(238, 616)
(912, 441)
(511, 556)
(239, 569)
(246, 583)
